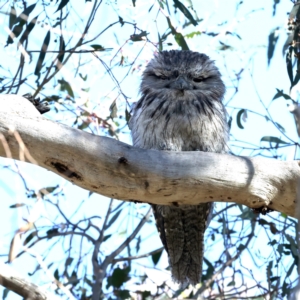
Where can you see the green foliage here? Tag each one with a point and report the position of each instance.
(66, 87)
(156, 256)
(52, 232)
(62, 49)
(5, 293)
(62, 4)
(16, 24)
(209, 271)
(113, 219)
(42, 55)
(98, 47)
(289, 64)
(275, 3)
(273, 38)
(239, 116)
(273, 139)
(28, 29)
(118, 277)
(178, 36)
(30, 237)
(281, 94)
(113, 109)
(185, 11)
(12, 17)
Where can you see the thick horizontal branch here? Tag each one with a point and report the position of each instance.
(120, 171)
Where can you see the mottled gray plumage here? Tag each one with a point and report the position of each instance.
(181, 109)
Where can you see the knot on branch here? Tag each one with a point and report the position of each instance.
(123, 160)
(65, 170)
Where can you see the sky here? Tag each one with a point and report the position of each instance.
(252, 23)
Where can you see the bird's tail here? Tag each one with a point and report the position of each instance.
(182, 234)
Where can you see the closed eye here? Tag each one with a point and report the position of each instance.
(199, 79)
(162, 77)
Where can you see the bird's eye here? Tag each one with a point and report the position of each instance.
(162, 77)
(199, 79)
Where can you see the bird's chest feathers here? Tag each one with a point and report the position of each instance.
(175, 125)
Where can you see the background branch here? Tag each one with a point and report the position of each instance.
(16, 283)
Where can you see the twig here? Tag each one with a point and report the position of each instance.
(137, 256)
(225, 265)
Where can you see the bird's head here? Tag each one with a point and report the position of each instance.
(183, 74)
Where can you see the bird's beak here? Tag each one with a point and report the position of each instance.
(181, 84)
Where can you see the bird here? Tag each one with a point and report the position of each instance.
(181, 109)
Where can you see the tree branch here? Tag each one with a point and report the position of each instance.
(117, 170)
(14, 282)
(129, 258)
